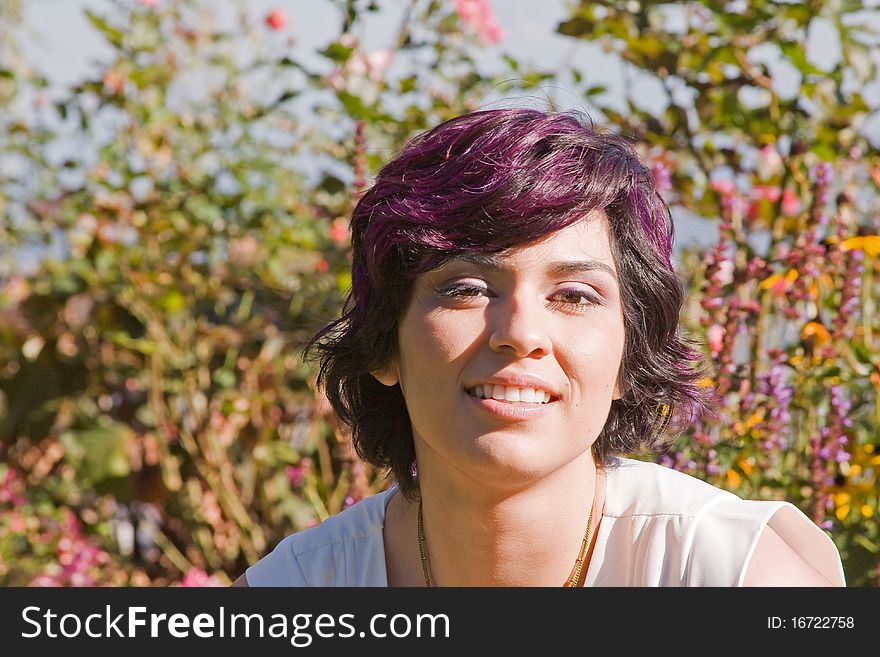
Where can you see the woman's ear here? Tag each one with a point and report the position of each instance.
(620, 390)
(388, 375)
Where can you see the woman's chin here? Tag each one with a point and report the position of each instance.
(507, 465)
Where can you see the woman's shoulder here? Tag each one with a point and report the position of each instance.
(643, 488)
(688, 532)
(345, 550)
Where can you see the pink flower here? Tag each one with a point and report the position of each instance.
(779, 288)
(196, 577)
(723, 187)
(294, 474)
(715, 335)
(339, 232)
(17, 523)
(478, 14)
(150, 3)
(492, 32)
(377, 62)
(769, 161)
(768, 192)
(276, 19)
(11, 488)
(790, 203)
(45, 581)
(724, 276)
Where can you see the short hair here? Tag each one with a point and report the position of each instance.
(485, 182)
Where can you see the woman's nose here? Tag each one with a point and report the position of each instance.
(520, 326)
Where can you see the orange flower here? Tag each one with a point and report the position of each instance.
(817, 332)
(733, 478)
(870, 244)
(779, 283)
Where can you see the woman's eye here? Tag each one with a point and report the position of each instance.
(576, 298)
(570, 298)
(461, 290)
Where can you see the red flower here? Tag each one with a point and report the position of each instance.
(276, 19)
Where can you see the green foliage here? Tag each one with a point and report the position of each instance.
(197, 237)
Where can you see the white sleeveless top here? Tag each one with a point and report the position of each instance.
(660, 527)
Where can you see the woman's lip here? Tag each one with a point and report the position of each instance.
(511, 410)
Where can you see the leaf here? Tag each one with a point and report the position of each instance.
(337, 52)
(114, 36)
(98, 453)
(354, 106)
(407, 84)
(798, 56)
(331, 184)
(824, 151)
(224, 378)
(575, 27)
(173, 301)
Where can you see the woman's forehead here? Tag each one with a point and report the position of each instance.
(574, 266)
(584, 246)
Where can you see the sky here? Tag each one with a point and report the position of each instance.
(63, 44)
(60, 42)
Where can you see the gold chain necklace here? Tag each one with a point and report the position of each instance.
(572, 580)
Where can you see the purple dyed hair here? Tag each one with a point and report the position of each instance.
(489, 181)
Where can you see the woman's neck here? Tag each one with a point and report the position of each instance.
(477, 535)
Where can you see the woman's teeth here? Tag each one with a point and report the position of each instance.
(509, 394)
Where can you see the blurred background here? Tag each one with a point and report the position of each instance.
(175, 183)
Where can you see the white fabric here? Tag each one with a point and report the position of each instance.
(660, 527)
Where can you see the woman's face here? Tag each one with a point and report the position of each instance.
(542, 320)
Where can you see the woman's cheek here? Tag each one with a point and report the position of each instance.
(447, 338)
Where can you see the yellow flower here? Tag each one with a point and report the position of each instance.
(779, 283)
(770, 281)
(867, 511)
(870, 244)
(817, 331)
(745, 465)
(754, 419)
(733, 478)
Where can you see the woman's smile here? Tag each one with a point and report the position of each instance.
(512, 410)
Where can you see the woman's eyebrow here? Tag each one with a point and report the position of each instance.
(555, 268)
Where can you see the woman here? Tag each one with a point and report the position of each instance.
(512, 333)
